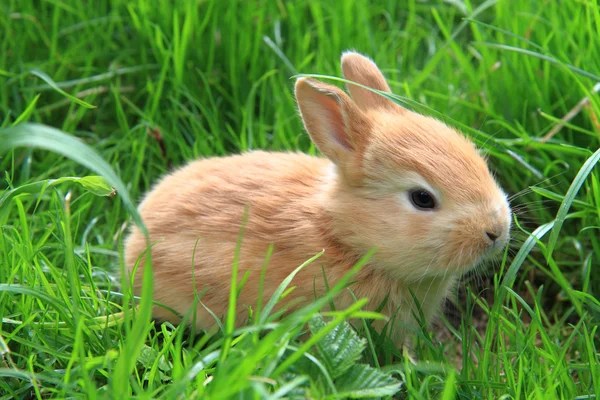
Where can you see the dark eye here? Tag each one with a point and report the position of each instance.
(422, 199)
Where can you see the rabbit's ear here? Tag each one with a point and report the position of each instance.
(362, 70)
(335, 124)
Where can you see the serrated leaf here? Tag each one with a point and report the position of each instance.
(362, 381)
(148, 357)
(340, 348)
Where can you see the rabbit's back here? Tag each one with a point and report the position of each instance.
(194, 217)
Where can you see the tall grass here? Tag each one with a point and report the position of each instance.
(129, 89)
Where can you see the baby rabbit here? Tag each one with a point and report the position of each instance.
(405, 184)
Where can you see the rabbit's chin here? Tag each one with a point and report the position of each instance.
(489, 256)
(485, 259)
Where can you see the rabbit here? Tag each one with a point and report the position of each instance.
(404, 184)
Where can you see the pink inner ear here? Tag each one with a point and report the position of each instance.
(339, 133)
(336, 129)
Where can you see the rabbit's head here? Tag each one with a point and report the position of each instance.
(406, 184)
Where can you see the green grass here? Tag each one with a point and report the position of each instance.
(149, 85)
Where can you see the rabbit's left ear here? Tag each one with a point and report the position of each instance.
(360, 69)
(334, 122)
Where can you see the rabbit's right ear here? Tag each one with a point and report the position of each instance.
(335, 124)
(360, 69)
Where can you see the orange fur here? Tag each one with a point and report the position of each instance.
(356, 200)
(360, 69)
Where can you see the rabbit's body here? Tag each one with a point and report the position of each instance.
(292, 204)
(403, 183)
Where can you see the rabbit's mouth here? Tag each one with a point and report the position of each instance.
(491, 253)
(480, 257)
(497, 247)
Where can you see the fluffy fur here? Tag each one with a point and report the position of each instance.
(355, 199)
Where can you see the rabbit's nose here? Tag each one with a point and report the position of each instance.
(494, 232)
(492, 235)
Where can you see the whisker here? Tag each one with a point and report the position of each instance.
(530, 190)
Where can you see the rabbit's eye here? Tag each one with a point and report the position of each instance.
(422, 199)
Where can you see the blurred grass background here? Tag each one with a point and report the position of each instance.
(171, 81)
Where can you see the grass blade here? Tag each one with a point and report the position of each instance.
(582, 175)
(43, 76)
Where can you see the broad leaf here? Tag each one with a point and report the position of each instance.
(364, 381)
(340, 348)
(96, 185)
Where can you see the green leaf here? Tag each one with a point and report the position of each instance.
(19, 374)
(148, 356)
(41, 295)
(48, 138)
(339, 349)
(582, 175)
(96, 185)
(519, 259)
(544, 57)
(289, 388)
(27, 113)
(53, 85)
(450, 387)
(281, 288)
(560, 198)
(364, 381)
(358, 314)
